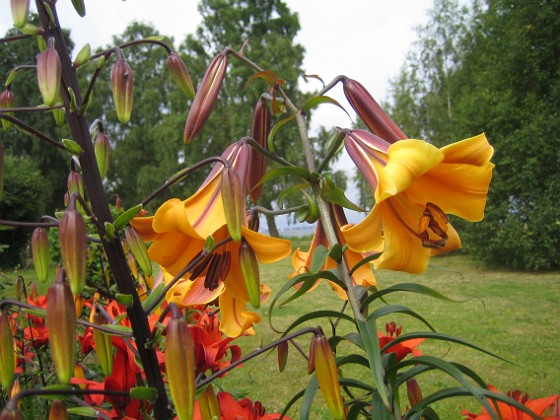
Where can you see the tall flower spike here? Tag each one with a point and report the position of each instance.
(327, 375)
(7, 354)
(206, 96)
(49, 71)
(370, 112)
(122, 84)
(40, 251)
(180, 365)
(73, 247)
(61, 322)
(257, 161)
(180, 74)
(20, 11)
(7, 100)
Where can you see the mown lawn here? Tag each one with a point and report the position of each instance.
(514, 315)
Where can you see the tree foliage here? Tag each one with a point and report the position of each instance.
(496, 70)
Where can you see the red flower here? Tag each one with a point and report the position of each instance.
(401, 349)
(244, 409)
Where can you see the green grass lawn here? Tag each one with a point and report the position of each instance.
(514, 315)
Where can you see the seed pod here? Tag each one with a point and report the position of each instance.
(250, 271)
(61, 322)
(58, 410)
(102, 149)
(20, 11)
(122, 83)
(7, 100)
(49, 71)
(371, 113)
(205, 96)
(257, 161)
(208, 403)
(7, 354)
(180, 73)
(73, 247)
(233, 199)
(40, 251)
(327, 375)
(103, 345)
(138, 249)
(180, 365)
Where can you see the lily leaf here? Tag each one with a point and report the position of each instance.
(308, 397)
(268, 76)
(391, 309)
(127, 216)
(318, 314)
(83, 411)
(286, 170)
(155, 293)
(315, 101)
(336, 195)
(275, 129)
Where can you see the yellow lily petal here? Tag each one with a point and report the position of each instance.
(235, 319)
(174, 251)
(172, 217)
(366, 236)
(205, 210)
(190, 293)
(473, 151)
(143, 225)
(267, 248)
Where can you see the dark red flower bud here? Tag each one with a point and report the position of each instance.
(257, 161)
(205, 96)
(371, 113)
(122, 84)
(73, 247)
(413, 392)
(7, 100)
(49, 71)
(180, 73)
(61, 322)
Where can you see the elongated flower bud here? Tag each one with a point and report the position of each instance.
(413, 392)
(7, 100)
(40, 251)
(233, 198)
(371, 113)
(180, 73)
(11, 414)
(205, 96)
(1, 170)
(75, 183)
(180, 365)
(58, 410)
(250, 271)
(327, 375)
(282, 350)
(138, 249)
(20, 11)
(209, 405)
(61, 322)
(102, 149)
(7, 354)
(257, 161)
(83, 56)
(103, 345)
(49, 70)
(73, 247)
(122, 83)
(80, 7)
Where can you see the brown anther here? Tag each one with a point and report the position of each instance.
(433, 220)
(199, 268)
(213, 274)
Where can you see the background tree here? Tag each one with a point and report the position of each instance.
(505, 81)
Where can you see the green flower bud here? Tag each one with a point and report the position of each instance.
(179, 72)
(49, 70)
(122, 83)
(327, 375)
(61, 322)
(103, 345)
(205, 96)
(58, 410)
(208, 403)
(233, 199)
(73, 247)
(40, 251)
(138, 249)
(83, 56)
(250, 271)
(20, 11)
(180, 365)
(7, 353)
(1, 170)
(79, 7)
(102, 149)
(7, 100)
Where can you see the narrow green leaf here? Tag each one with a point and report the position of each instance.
(354, 383)
(118, 330)
(337, 196)
(125, 300)
(315, 101)
(318, 258)
(275, 129)
(52, 391)
(83, 411)
(356, 410)
(72, 147)
(308, 396)
(391, 309)
(286, 170)
(143, 393)
(127, 216)
(154, 294)
(319, 314)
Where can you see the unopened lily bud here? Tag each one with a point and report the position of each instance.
(40, 251)
(59, 114)
(75, 183)
(7, 100)
(80, 374)
(122, 83)
(20, 11)
(80, 7)
(179, 72)
(257, 161)
(11, 414)
(208, 403)
(78, 305)
(413, 392)
(205, 97)
(282, 350)
(61, 322)
(250, 272)
(371, 113)
(327, 375)
(102, 149)
(58, 410)
(49, 70)
(138, 249)
(73, 247)
(1, 170)
(7, 354)
(83, 56)
(180, 365)
(103, 345)
(16, 389)
(233, 199)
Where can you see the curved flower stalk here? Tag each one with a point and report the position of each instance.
(301, 260)
(415, 185)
